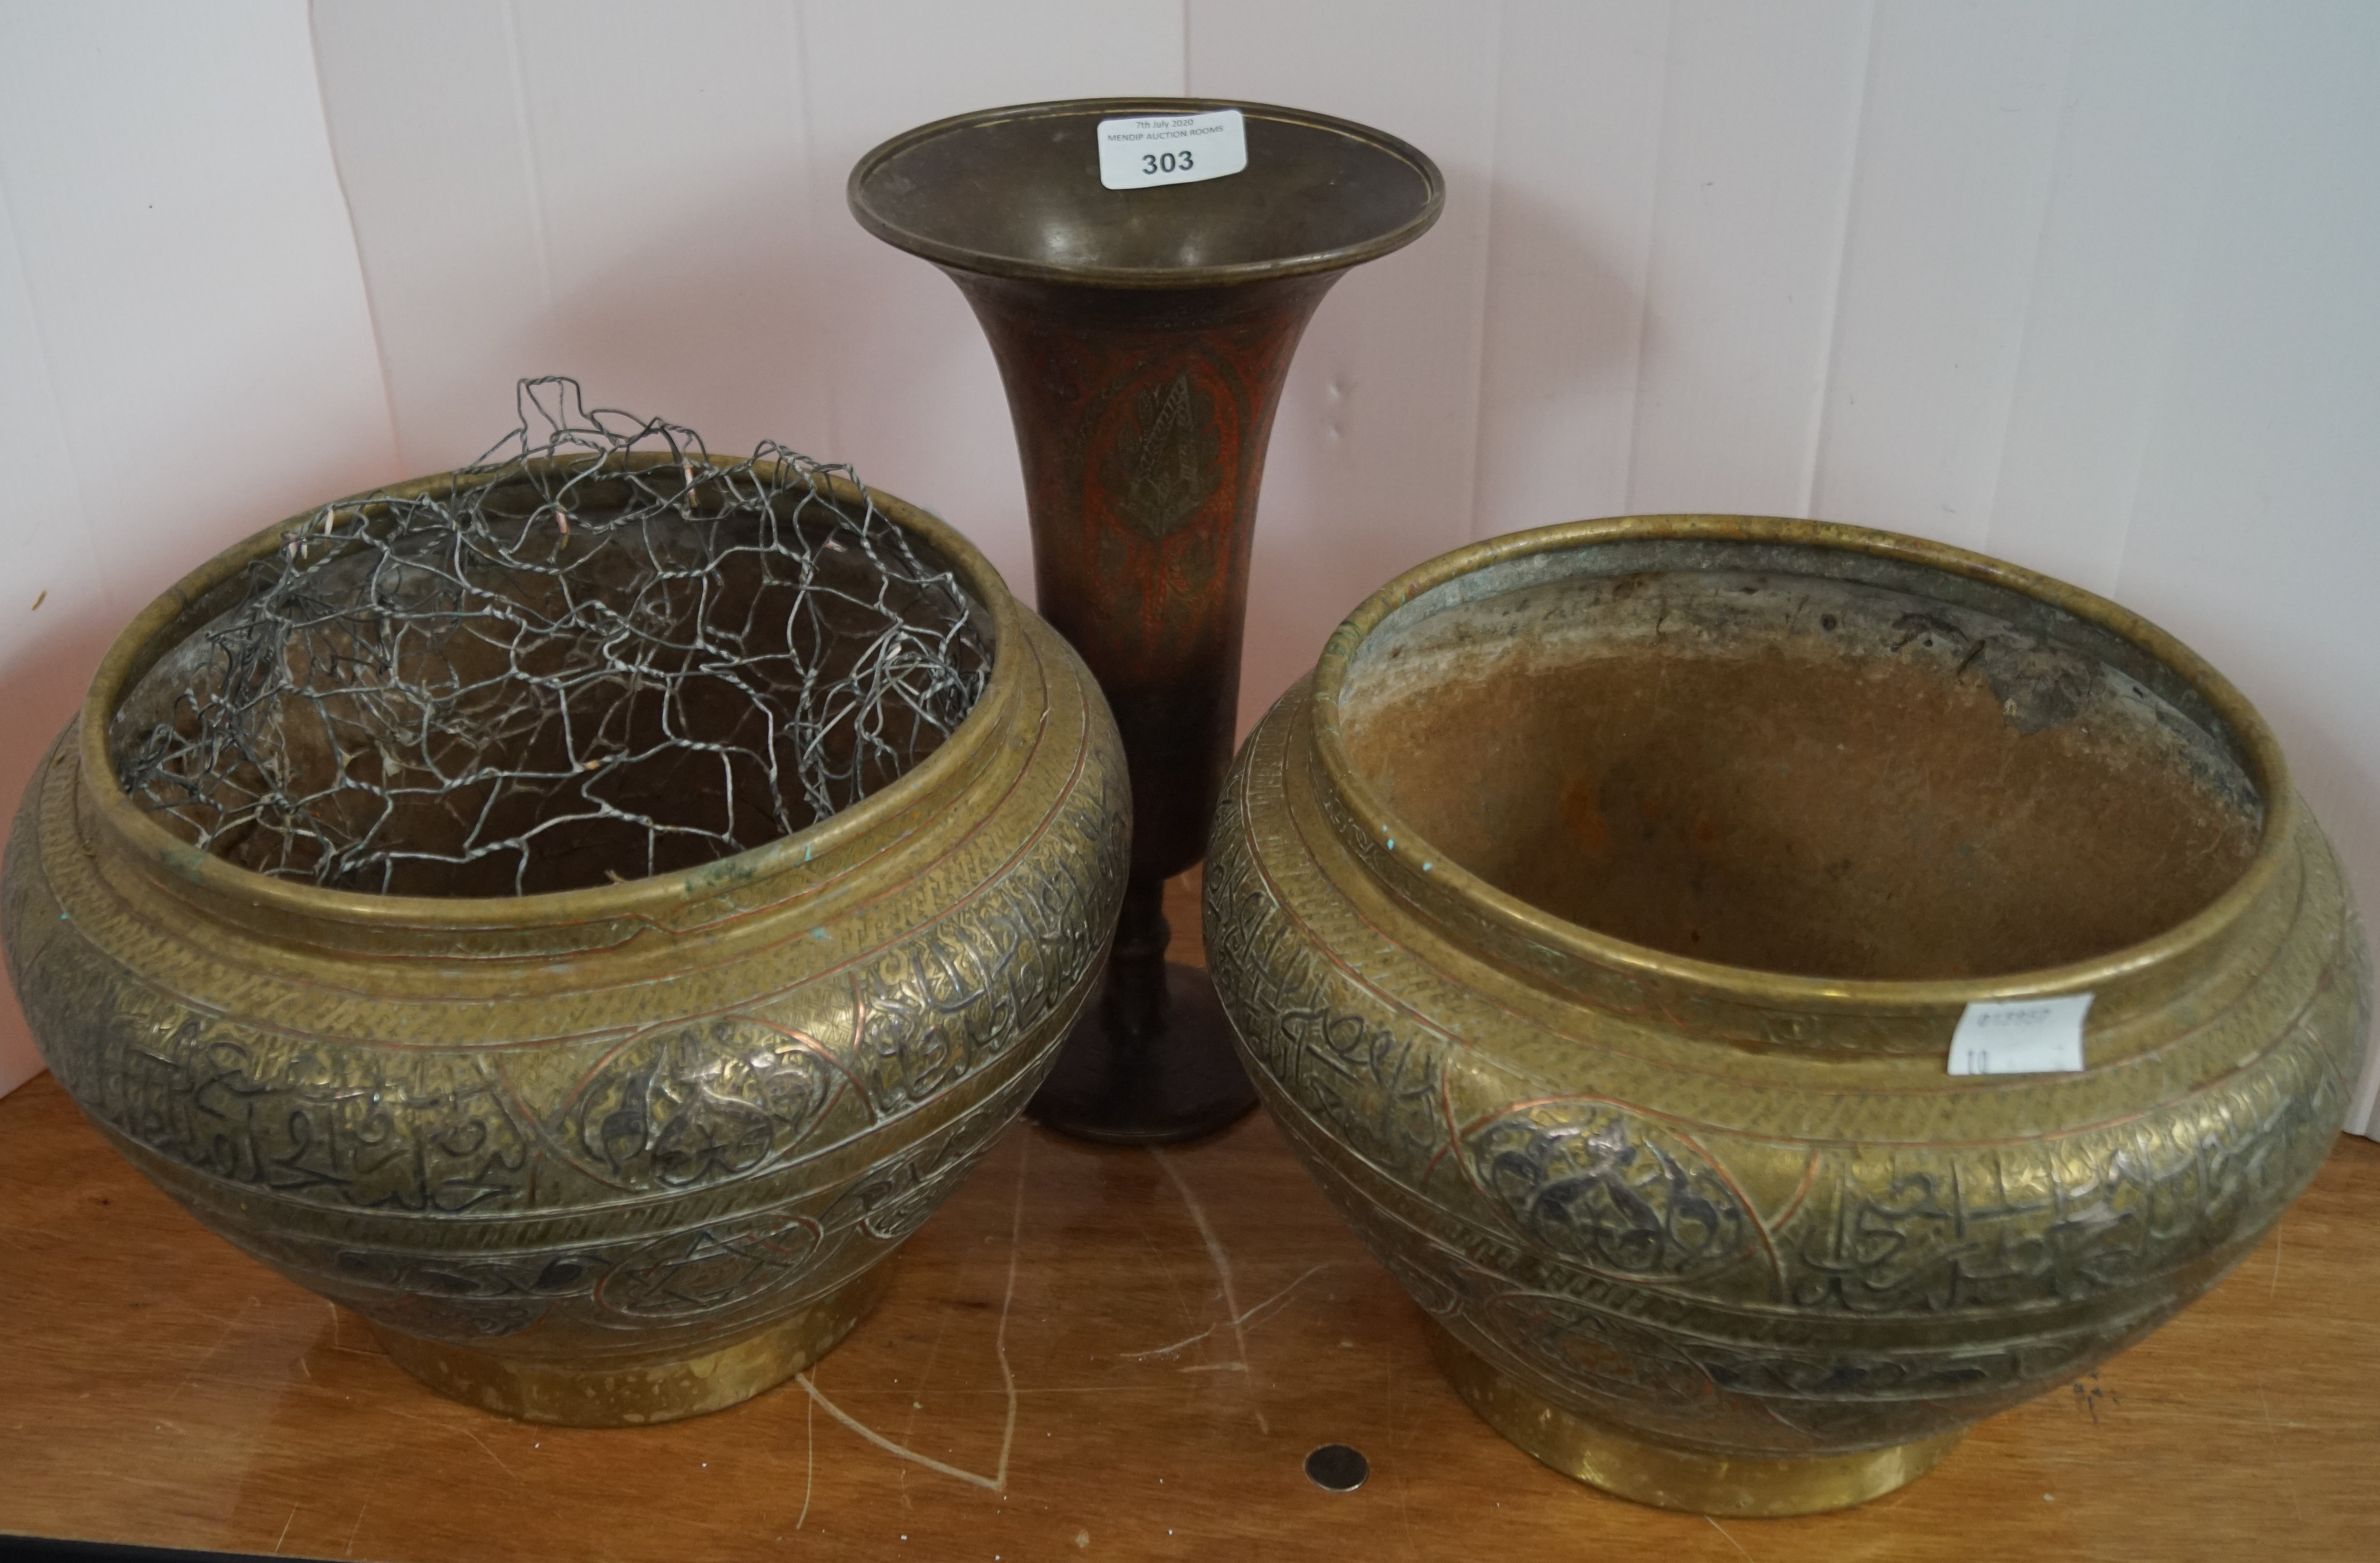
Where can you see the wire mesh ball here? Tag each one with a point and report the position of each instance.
(595, 654)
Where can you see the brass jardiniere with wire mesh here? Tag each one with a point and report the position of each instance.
(1596, 922)
(605, 1155)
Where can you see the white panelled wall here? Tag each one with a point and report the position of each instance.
(2093, 285)
(186, 346)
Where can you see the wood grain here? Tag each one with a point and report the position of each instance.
(1088, 1353)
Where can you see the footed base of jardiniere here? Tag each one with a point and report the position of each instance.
(633, 1395)
(1671, 1478)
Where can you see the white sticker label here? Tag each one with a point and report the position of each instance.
(1174, 148)
(2029, 1037)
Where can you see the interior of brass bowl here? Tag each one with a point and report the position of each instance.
(1801, 759)
(1017, 192)
(444, 720)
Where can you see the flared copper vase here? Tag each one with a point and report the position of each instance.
(1143, 336)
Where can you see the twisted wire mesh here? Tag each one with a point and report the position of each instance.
(594, 654)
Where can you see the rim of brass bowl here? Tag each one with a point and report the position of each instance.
(1578, 942)
(185, 607)
(996, 263)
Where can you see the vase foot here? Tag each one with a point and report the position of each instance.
(1182, 1082)
(1669, 1478)
(633, 1395)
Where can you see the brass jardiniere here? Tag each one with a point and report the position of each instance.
(605, 1155)
(1595, 922)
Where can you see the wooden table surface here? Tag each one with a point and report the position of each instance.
(1089, 1353)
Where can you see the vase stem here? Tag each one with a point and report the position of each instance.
(1142, 417)
(1136, 991)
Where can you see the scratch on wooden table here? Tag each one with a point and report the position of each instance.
(207, 1356)
(338, 1344)
(491, 1452)
(2279, 1227)
(1223, 1262)
(909, 1423)
(1157, 1256)
(989, 1484)
(285, 1529)
(357, 1530)
(485, 1448)
(925, 1377)
(1007, 1298)
(1250, 1317)
(230, 1324)
(2283, 1465)
(998, 1481)
(810, 1459)
(1730, 1540)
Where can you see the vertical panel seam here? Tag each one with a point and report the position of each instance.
(100, 577)
(8, 234)
(1644, 258)
(1832, 339)
(529, 165)
(1486, 274)
(2184, 274)
(2058, 151)
(355, 239)
(822, 191)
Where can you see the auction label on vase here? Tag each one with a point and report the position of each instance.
(2027, 1036)
(1171, 149)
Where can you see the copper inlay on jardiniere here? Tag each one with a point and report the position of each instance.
(1596, 921)
(601, 1155)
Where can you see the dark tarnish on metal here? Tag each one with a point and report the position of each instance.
(612, 1155)
(1143, 336)
(1596, 921)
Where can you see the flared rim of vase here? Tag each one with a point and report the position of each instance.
(865, 208)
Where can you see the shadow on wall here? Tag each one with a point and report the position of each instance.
(1324, 539)
(40, 689)
(1566, 336)
(158, 533)
(722, 337)
(726, 338)
(840, 348)
(2345, 802)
